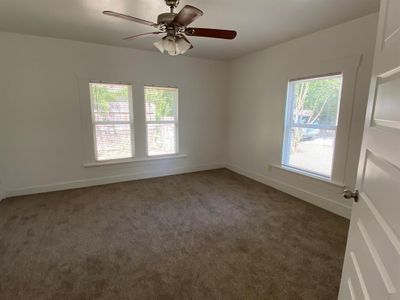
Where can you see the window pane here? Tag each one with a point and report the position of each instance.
(316, 101)
(312, 150)
(311, 121)
(161, 139)
(160, 103)
(110, 102)
(113, 141)
(161, 116)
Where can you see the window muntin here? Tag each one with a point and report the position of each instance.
(161, 104)
(312, 111)
(112, 120)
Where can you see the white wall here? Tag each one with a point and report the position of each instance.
(42, 140)
(41, 134)
(257, 92)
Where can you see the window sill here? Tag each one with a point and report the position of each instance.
(132, 160)
(308, 175)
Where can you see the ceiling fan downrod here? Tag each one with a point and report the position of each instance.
(172, 4)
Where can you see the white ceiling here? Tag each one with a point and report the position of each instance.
(259, 23)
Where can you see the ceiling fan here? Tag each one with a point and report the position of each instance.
(174, 25)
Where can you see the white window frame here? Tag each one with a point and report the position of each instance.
(289, 123)
(342, 166)
(175, 122)
(130, 122)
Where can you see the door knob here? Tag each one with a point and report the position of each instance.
(348, 194)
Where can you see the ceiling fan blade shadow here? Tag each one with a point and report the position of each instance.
(187, 15)
(141, 35)
(129, 18)
(211, 33)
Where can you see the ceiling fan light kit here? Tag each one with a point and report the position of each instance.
(175, 27)
(173, 45)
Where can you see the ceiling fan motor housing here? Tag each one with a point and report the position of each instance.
(165, 18)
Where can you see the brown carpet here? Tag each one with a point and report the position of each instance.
(205, 235)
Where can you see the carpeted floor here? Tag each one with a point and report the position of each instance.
(205, 235)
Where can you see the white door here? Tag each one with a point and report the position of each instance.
(372, 262)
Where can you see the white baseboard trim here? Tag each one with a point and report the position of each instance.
(317, 200)
(307, 196)
(107, 180)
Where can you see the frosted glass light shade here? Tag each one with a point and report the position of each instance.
(169, 45)
(159, 45)
(173, 45)
(183, 45)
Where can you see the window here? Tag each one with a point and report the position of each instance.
(112, 119)
(161, 120)
(312, 111)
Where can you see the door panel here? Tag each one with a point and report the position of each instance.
(386, 244)
(381, 180)
(351, 291)
(372, 263)
(357, 277)
(387, 103)
(392, 23)
(387, 55)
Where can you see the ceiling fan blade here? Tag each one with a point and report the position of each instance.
(187, 15)
(140, 35)
(211, 33)
(129, 18)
